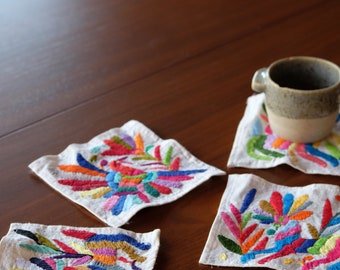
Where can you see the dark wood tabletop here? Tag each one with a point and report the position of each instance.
(70, 70)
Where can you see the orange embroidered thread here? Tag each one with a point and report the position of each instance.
(252, 241)
(301, 215)
(79, 169)
(139, 145)
(278, 142)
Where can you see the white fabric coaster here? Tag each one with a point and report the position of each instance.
(255, 146)
(123, 170)
(260, 224)
(35, 247)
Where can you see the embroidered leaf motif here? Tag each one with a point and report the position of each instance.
(330, 230)
(252, 241)
(234, 229)
(264, 219)
(262, 244)
(230, 244)
(65, 247)
(130, 176)
(276, 202)
(236, 213)
(245, 219)
(301, 215)
(40, 249)
(27, 234)
(313, 231)
(44, 241)
(315, 249)
(247, 231)
(139, 144)
(157, 152)
(175, 164)
(326, 215)
(248, 199)
(266, 206)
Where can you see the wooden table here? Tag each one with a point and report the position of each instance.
(70, 70)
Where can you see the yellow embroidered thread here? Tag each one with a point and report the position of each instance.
(298, 203)
(223, 257)
(266, 206)
(329, 245)
(117, 245)
(95, 193)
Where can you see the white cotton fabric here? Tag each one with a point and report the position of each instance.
(46, 168)
(214, 253)
(13, 255)
(252, 124)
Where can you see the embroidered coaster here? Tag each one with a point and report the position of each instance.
(255, 145)
(262, 224)
(35, 246)
(123, 170)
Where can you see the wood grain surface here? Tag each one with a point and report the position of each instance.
(70, 70)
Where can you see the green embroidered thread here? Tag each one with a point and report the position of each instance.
(259, 146)
(44, 241)
(246, 219)
(230, 244)
(150, 190)
(144, 157)
(332, 149)
(127, 189)
(251, 149)
(40, 249)
(329, 245)
(120, 141)
(315, 249)
(167, 159)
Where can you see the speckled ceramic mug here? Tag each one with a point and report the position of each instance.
(301, 97)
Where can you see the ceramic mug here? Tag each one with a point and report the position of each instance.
(301, 97)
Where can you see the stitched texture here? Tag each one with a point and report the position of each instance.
(34, 246)
(122, 171)
(256, 146)
(263, 224)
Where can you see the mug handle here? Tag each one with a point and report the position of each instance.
(258, 83)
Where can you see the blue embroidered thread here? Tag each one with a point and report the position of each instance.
(248, 199)
(315, 152)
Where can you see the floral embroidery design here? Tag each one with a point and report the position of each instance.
(266, 146)
(272, 230)
(126, 172)
(85, 251)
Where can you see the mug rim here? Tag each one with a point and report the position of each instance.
(310, 59)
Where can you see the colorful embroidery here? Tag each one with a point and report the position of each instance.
(272, 229)
(123, 170)
(266, 146)
(128, 173)
(84, 250)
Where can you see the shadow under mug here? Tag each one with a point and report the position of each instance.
(301, 97)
